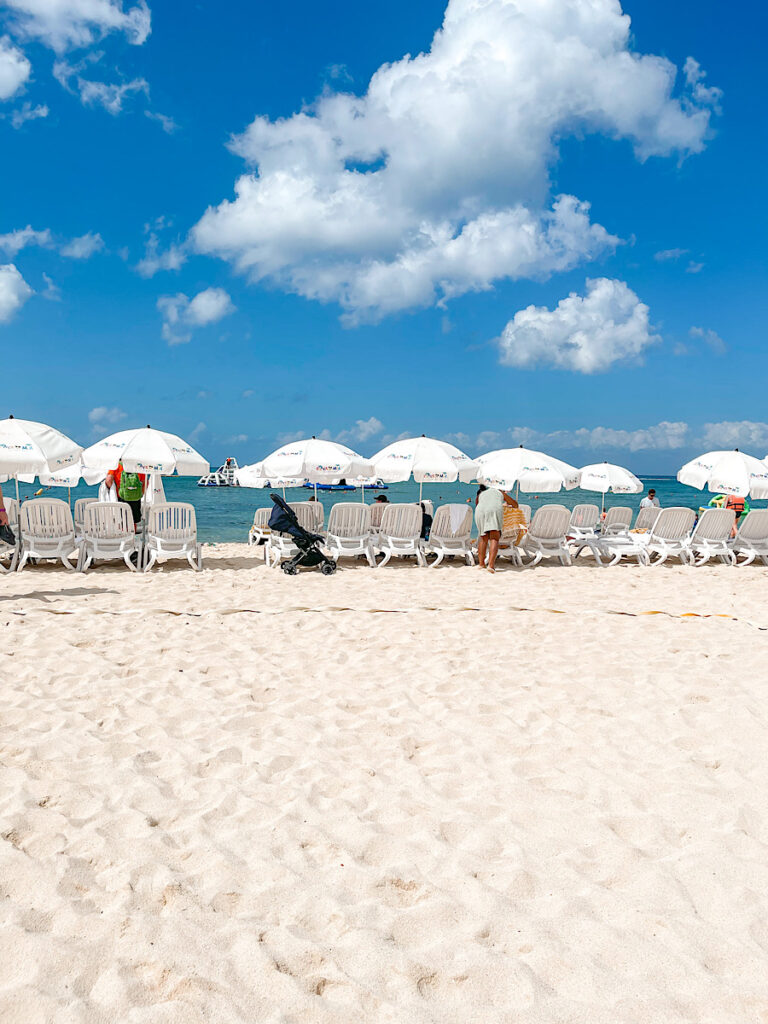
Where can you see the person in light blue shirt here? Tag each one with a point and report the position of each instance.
(489, 519)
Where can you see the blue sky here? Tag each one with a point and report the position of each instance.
(375, 275)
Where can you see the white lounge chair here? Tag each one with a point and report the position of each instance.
(108, 533)
(646, 517)
(319, 513)
(47, 531)
(281, 545)
(400, 533)
(618, 519)
(259, 532)
(546, 537)
(349, 531)
(584, 521)
(377, 514)
(712, 535)
(79, 514)
(527, 512)
(172, 533)
(751, 540)
(670, 535)
(451, 534)
(10, 551)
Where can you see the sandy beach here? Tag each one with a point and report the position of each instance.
(385, 796)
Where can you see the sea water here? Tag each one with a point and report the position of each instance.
(226, 513)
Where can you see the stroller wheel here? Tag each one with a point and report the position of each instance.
(328, 568)
(289, 569)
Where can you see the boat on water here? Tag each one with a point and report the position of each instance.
(342, 485)
(224, 476)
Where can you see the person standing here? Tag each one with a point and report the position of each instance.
(108, 489)
(3, 513)
(489, 519)
(650, 500)
(130, 489)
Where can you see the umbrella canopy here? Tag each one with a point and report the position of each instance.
(71, 476)
(30, 448)
(314, 460)
(144, 450)
(604, 476)
(727, 473)
(253, 476)
(532, 471)
(428, 460)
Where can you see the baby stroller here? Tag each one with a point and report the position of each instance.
(283, 520)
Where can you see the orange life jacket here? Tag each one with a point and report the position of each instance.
(736, 503)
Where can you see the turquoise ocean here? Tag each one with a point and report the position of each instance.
(225, 514)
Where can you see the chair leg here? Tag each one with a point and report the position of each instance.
(370, 555)
(387, 556)
(469, 558)
(440, 556)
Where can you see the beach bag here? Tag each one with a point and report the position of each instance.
(130, 487)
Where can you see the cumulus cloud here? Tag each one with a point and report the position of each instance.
(154, 259)
(26, 112)
(84, 247)
(110, 96)
(14, 68)
(710, 338)
(736, 434)
(182, 315)
(363, 430)
(664, 436)
(667, 255)
(14, 292)
(64, 24)
(105, 414)
(168, 124)
(587, 333)
(435, 182)
(14, 241)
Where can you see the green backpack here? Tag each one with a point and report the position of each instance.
(130, 487)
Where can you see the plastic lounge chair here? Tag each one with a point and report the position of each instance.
(617, 520)
(259, 532)
(711, 536)
(646, 517)
(670, 535)
(108, 533)
(377, 514)
(172, 533)
(349, 531)
(751, 540)
(527, 512)
(79, 514)
(451, 534)
(47, 531)
(584, 521)
(279, 545)
(400, 533)
(547, 535)
(319, 514)
(10, 551)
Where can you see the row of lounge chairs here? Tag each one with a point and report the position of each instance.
(99, 531)
(553, 532)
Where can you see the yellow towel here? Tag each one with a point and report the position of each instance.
(515, 526)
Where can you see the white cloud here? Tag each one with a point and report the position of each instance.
(587, 334)
(173, 258)
(236, 439)
(13, 242)
(14, 69)
(735, 434)
(694, 267)
(199, 430)
(168, 124)
(664, 436)
(52, 291)
(435, 182)
(14, 292)
(669, 255)
(84, 247)
(26, 112)
(62, 24)
(710, 338)
(110, 96)
(182, 315)
(105, 414)
(363, 430)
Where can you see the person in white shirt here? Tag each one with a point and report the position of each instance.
(108, 490)
(650, 501)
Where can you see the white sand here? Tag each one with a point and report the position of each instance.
(383, 796)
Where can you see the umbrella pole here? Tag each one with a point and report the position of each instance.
(315, 490)
(421, 485)
(363, 497)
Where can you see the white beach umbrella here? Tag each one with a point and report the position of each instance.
(426, 459)
(144, 450)
(730, 472)
(528, 470)
(313, 460)
(71, 476)
(28, 448)
(604, 476)
(251, 476)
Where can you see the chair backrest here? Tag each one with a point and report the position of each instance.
(13, 511)
(377, 513)
(261, 516)
(526, 510)
(514, 523)
(584, 517)
(80, 506)
(646, 517)
(754, 525)
(550, 522)
(429, 508)
(305, 514)
(402, 522)
(108, 520)
(715, 524)
(318, 512)
(673, 524)
(446, 517)
(619, 515)
(172, 521)
(47, 518)
(350, 519)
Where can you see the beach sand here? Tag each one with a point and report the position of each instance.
(396, 796)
